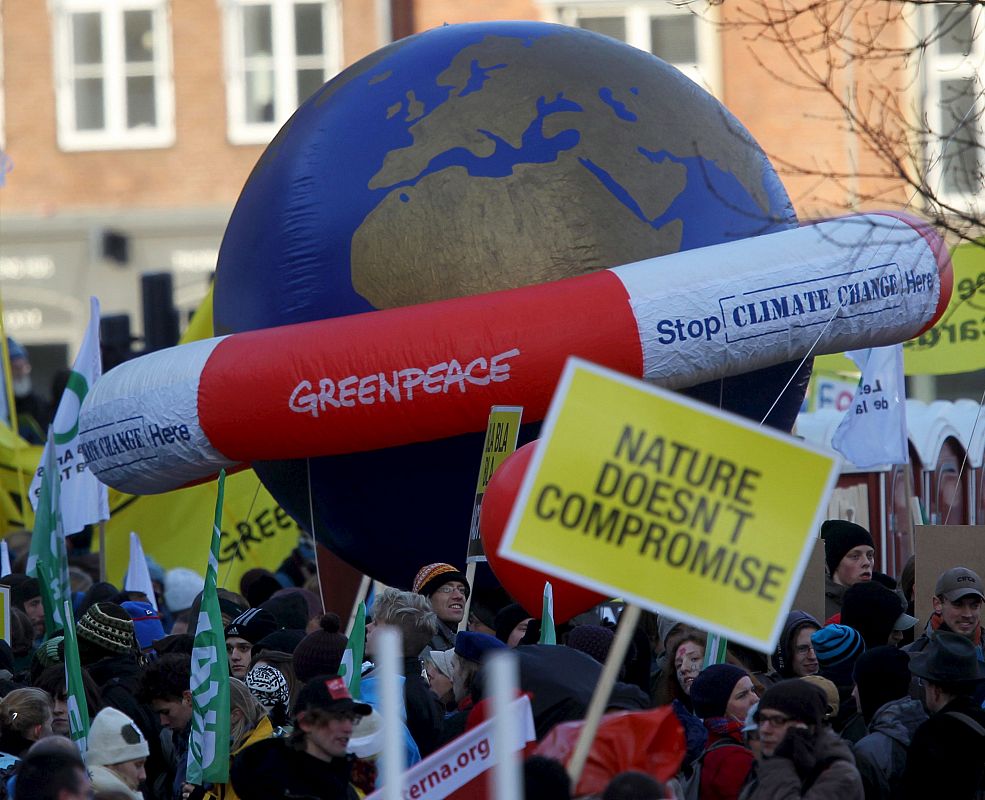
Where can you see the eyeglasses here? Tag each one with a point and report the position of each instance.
(448, 588)
(776, 720)
(803, 649)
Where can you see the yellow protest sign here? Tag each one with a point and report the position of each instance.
(956, 343)
(502, 433)
(640, 493)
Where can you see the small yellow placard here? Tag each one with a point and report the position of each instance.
(502, 434)
(5, 613)
(640, 493)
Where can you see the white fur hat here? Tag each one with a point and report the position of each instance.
(113, 739)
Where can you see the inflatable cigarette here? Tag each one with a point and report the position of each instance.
(426, 372)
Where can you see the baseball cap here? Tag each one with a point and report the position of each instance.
(329, 693)
(957, 583)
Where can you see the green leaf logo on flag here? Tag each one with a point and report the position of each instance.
(78, 709)
(48, 559)
(547, 632)
(352, 661)
(208, 744)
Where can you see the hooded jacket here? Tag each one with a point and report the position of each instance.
(105, 780)
(273, 769)
(782, 658)
(827, 772)
(834, 595)
(881, 755)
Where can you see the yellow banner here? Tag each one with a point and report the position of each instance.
(640, 493)
(956, 343)
(175, 528)
(502, 433)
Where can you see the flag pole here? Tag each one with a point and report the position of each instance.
(102, 550)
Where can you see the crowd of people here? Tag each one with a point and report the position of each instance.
(867, 703)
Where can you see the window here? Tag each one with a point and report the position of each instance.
(955, 81)
(675, 33)
(278, 53)
(113, 65)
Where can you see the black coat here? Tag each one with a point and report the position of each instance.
(273, 769)
(946, 758)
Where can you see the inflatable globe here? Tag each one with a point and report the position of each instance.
(463, 160)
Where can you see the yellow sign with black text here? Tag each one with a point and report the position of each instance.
(640, 493)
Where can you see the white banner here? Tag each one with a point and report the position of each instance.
(460, 761)
(873, 431)
(84, 499)
(138, 575)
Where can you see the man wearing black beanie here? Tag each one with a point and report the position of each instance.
(801, 755)
(849, 555)
(882, 683)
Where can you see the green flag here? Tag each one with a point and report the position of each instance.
(208, 744)
(547, 632)
(352, 661)
(716, 647)
(48, 559)
(78, 709)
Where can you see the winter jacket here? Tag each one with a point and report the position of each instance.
(810, 766)
(881, 755)
(105, 780)
(275, 770)
(947, 756)
(725, 768)
(834, 595)
(782, 658)
(935, 624)
(225, 791)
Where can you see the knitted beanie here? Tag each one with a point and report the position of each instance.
(713, 687)
(837, 648)
(113, 739)
(252, 625)
(146, 623)
(800, 700)
(473, 646)
(872, 610)
(430, 578)
(882, 674)
(321, 651)
(507, 619)
(593, 640)
(105, 630)
(840, 536)
(444, 661)
(269, 686)
(285, 641)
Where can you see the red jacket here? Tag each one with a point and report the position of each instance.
(724, 770)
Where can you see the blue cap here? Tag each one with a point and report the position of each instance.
(473, 646)
(146, 623)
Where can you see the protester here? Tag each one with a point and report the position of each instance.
(801, 757)
(31, 410)
(722, 695)
(53, 770)
(634, 786)
(52, 681)
(877, 613)
(882, 682)
(116, 754)
(242, 633)
(592, 640)
(181, 586)
(510, 624)
(25, 595)
(165, 686)
(313, 762)
(685, 656)
(447, 589)
(418, 624)
(838, 647)
(25, 717)
(794, 656)
(849, 556)
(545, 778)
(147, 626)
(440, 666)
(273, 681)
(947, 754)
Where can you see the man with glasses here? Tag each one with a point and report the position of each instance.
(313, 762)
(800, 754)
(447, 589)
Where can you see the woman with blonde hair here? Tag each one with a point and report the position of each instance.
(25, 716)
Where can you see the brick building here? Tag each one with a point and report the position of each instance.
(128, 127)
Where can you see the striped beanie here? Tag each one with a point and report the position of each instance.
(430, 578)
(252, 625)
(105, 630)
(837, 648)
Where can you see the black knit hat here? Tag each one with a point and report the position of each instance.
(713, 687)
(840, 536)
(593, 640)
(882, 674)
(284, 640)
(321, 651)
(800, 700)
(507, 619)
(252, 625)
(874, 611)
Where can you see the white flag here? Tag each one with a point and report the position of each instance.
(4, 558)
(84, 499)
(873, 431)
(138, 575)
